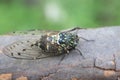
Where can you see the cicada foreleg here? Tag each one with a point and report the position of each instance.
(85, 39)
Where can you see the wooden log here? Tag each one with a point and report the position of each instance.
(101, 59)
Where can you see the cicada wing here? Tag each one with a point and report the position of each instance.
(24, 50)
(30, 32)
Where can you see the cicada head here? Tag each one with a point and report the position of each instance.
(68, 40)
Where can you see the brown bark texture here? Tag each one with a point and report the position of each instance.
(101, 59)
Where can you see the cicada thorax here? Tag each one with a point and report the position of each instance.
(57, 43)
(49, 44)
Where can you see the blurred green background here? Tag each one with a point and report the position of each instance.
(57, 14)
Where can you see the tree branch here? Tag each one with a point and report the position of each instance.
(101, 62)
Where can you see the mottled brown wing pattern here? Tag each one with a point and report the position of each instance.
(24, 50)
(30, 32)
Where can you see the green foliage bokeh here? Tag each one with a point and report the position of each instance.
(30, 14)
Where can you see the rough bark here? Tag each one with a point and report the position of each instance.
(101, 62)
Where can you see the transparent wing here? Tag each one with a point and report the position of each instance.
(30, 32)
(24, 50)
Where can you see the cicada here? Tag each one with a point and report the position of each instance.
(41, 44)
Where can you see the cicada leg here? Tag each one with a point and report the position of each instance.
(85, 39)
(76, 28)
(63, 56)
(80, 52)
